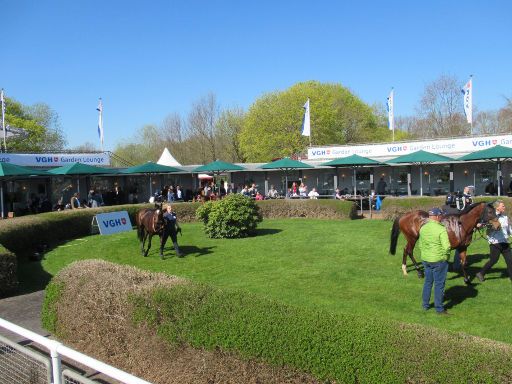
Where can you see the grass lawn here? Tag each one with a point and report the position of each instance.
(340, 266)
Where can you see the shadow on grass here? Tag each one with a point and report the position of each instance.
(266, 231)
(31, 275)
(192, 250)
(457, 294)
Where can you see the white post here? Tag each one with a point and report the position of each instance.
(3, 117)
(2, 197)
(355, 188)
(421, 180)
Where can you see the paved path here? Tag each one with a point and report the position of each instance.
(25, 311)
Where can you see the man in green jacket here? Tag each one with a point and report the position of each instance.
(435, 251)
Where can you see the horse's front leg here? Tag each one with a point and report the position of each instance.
(150, 236)
(143, 243)
(462, 255)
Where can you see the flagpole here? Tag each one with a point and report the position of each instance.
(100, 122)
(3, 117)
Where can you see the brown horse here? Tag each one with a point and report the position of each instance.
(150, 222)
(460, 229)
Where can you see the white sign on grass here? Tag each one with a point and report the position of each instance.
(113, 222)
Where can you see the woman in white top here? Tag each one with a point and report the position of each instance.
(313, 194)
(498, 243)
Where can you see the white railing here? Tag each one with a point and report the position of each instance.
(57, 350)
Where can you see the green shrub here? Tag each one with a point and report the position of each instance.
(232, 217)
(341, 347)
(49, 315)
(8, 272)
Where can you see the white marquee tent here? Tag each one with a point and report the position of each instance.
(168, 159)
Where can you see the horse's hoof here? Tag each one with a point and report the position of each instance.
(467, 281)
(421, 275)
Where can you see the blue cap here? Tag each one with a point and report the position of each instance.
(435, 212)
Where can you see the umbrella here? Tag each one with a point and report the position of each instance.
(352, 161)
(81, 169)
(218, 167)
(150, 168)
(420, 157)
(10, 170)
(498, 153)
(286, 164)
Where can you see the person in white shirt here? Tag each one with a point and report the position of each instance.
(498, 243)
(313, 194)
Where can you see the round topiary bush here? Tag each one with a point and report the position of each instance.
(232, 217)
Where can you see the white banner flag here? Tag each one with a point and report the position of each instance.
(100, 122)
(467, 90)
(389, 107)
(306, 124)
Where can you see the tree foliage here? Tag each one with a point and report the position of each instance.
(272, 127)
(40, 123)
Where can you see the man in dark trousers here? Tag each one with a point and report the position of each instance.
(498, 242)
(171, 228)
(435, 250)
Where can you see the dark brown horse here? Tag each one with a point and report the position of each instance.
(150, 222)
(460, 229)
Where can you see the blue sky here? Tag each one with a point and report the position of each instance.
(149, 59)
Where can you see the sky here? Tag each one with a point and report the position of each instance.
(149, 59)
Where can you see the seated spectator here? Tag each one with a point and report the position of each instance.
(75, 201)
(253, 190)
(303, 190)
(272, 193)
(258, 196)
(313, 194)
(338, 195)
(245, 191)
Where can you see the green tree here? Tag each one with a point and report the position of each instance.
(40, 124)
(229, 127)
(145, 146)
(272, 125)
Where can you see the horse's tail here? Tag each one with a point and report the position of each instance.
(395, 231)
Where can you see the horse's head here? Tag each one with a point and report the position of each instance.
(158, 218)
(489, 217)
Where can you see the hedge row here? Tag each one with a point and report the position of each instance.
(27, 232)
(8, 269)
(393, 207)
(315, 209)
(340, 347)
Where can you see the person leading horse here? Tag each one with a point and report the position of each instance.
(460, 229)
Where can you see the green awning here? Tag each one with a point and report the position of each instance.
(420, 157)
(81, 169)
(218, 167)
(150, 167)
(497, 152)
(286, 164)
(7, 169)
(352, 161)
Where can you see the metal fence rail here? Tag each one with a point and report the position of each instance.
(15, 360)
(21, 365)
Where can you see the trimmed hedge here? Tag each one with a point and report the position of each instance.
(341, 347)
(8, 271)
(392, 207)
(311, 209)
(24, 234)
